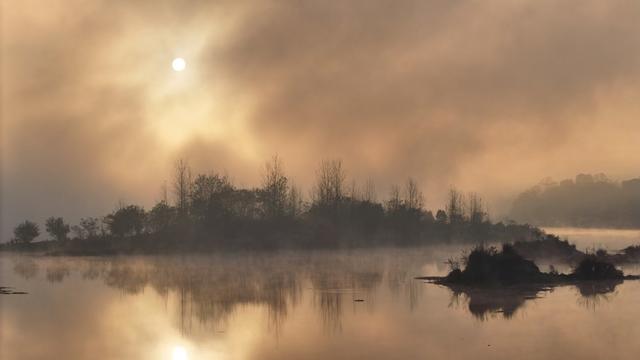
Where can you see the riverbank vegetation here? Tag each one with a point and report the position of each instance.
(207, 211)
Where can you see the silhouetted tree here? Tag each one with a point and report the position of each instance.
(295, 202)
(441, 217)
(87, 229)
(127, 220)
(477, 213)
(182, 186)
(455, 207)
(329, 188)
(369, 191)
(25, 232)
(395, 202)
(206, 190)
(57, 228)
(161, 217)
(413, 198)
(275, 188)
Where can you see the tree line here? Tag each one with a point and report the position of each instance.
(207, 211)
(586, 201)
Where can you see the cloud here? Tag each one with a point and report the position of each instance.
(488, 95)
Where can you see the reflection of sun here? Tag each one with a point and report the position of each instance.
(179, 353)
(178, 64)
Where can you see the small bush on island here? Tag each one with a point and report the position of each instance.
(489, 266)
(594, 268)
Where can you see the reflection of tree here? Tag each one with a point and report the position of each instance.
(207, 289)
(593, 293)
(57, 272)
(484, 302)
(26, 267)
(204, 291)
(126, 278)
(402, 284)
(329, 303)
(338, 279)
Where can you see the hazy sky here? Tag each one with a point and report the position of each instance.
(488, 95)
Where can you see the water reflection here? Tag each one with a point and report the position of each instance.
(26, 267)
(595, 293)
(362, 304)
(484, 303)
(208, 289)
(57, 273)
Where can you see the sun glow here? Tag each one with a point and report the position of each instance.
(179, 353)
(179, 64)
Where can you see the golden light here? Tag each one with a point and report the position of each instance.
(178, 64)
(179, 353)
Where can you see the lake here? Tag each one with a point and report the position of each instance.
(358, 304)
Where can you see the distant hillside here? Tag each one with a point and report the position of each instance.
(587, 201)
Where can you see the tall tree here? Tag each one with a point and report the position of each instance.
(295, 202)
(476, 210)
(127, 220)
(329, 188)
(395, 201)
(25, 232)
(57, 228)
(161, 217)
(369, 191)
(455, 207)
(182, 186)
(275, 188)
(413, 198)
(87, 229)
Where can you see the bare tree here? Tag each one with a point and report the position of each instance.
(455, 207)
(275, 188)
(295, 202)
(329, 188)
(354, 191)
(395, 202)
(163, 192)
(182, 186)
(413, 198)
(476, 209)
(369, 192)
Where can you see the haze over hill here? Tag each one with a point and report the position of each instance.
(587, 201)
(482, 95)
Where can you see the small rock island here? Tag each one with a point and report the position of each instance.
(490, 267)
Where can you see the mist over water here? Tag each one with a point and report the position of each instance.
(294, 305)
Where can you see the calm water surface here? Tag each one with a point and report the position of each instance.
(296, 305)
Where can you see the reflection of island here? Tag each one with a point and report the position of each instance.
(502, 281)
(483, 302)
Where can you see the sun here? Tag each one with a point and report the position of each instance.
(179, 353)
(178, 64)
